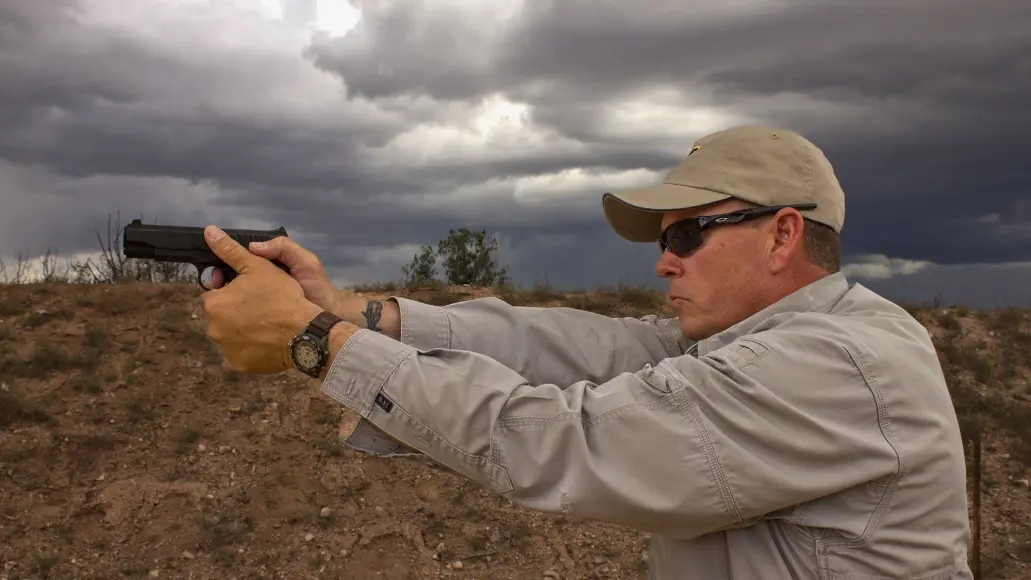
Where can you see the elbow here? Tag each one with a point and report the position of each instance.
(667, 507)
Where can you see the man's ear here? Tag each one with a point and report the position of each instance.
(788, 233)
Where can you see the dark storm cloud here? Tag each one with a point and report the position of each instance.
(85, 100)
(362, 147)
(82, 104)
(921, 106)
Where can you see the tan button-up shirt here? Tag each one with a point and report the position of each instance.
(816, 439)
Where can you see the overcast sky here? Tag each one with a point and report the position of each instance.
(367, 129)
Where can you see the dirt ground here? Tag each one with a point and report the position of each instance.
(128, 450)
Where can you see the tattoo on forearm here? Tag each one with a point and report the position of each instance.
(372, 314)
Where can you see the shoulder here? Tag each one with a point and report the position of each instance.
(859, 323)
(864, 340)
(861, 319)
(863, 323)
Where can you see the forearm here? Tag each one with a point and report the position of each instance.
(355, 310)
(544, 345)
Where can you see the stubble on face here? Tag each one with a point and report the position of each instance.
(716, 286)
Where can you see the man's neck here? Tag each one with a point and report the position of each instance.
(791, 283)
(763, 304)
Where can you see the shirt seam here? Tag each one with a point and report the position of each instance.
(712, 459)
(447, 329)
(672, 344)
(403, 315)
(884, 422)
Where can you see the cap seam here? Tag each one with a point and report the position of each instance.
(809, 171)
(728, 158)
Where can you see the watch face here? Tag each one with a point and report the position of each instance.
(306, 354)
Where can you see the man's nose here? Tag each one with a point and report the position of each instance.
(668, 266)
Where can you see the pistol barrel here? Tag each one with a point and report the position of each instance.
(147, 241)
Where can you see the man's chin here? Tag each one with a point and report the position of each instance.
(696, 328)
(691, 328)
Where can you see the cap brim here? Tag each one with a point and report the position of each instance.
(636, 214)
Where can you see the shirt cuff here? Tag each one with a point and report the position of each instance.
(423, 326)
(357, 374)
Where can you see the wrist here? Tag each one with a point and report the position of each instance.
(336, 305)
(348, 306)
(338, 334)
(304, 315)
(354, 309)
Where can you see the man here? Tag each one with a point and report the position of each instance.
(785, 424)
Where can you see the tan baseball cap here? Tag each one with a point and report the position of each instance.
(755, 163)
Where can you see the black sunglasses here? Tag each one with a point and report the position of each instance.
(685, 236)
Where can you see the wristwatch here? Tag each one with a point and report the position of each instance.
(310, 349)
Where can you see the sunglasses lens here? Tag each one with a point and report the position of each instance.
(682, 238)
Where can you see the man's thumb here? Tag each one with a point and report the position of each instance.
(227, 249)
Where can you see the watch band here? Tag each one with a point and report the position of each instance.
(321, 324)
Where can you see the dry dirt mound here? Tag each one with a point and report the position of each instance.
(128, 450)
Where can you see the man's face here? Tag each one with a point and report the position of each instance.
(718, 284)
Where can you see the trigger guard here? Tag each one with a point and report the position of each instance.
(200, 279)
(227, 276)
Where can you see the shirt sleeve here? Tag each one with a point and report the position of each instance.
(543, 345)
(683, 447)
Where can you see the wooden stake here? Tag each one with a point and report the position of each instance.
(977, 503)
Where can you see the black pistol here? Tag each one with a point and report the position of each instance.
(187, 245)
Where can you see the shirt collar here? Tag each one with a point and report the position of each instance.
(818, 296)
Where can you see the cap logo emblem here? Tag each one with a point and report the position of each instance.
(693, 149)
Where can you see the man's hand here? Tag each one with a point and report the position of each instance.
(305, 267)
(253, 318)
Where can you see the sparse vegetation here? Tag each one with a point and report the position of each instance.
(469, 259)
(111, 268)
(16, 408)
